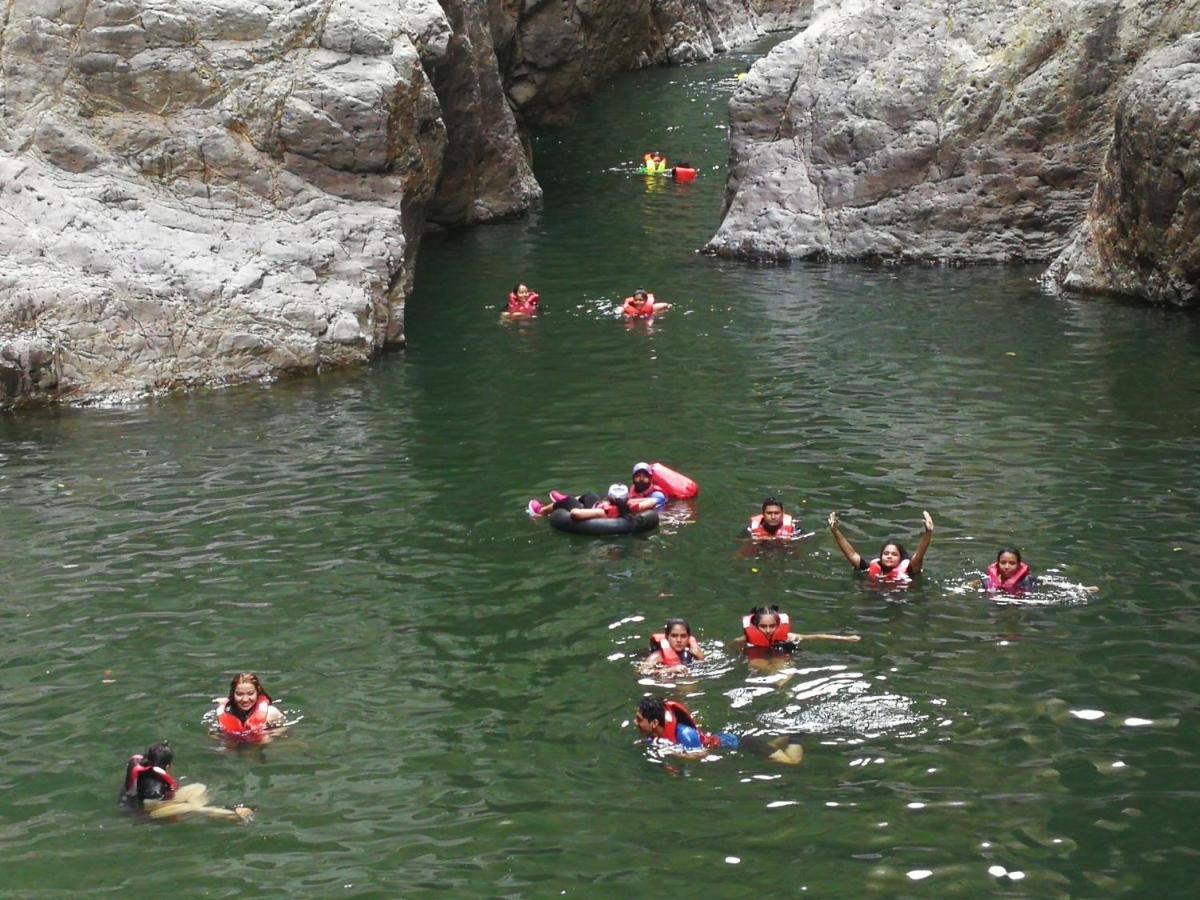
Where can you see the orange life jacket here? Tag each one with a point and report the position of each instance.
(646, 310)
(526, 308)
(786, 529)
(660, 643)
(899, 573)
(757, 638)
(137, 767)
(254, 724)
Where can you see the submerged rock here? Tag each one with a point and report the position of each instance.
(946, 130)
(1141, 236)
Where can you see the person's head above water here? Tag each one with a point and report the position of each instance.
(640, 295)
(1008, 561)
(891, 554)
(679, 634)
(244, 691)
(650, 716)
(642, 476)
(618, 493)
(520, 290)
(657, 154)
(159, 754)
(765, 618)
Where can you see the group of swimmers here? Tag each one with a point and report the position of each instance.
(246, 714)
(767, 637)
(525, 304)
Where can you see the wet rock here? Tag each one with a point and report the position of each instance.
(1141, 235)
(946, 130)
(553, 55)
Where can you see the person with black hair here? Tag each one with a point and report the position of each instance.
(767, 637)
(893, 564)
(150, 787)
(672, 650)
(772, 523)
(668, 725)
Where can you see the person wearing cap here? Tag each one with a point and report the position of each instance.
(642, 305)
(616, 503)
(643, 485)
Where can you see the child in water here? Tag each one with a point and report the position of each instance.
(522, 303)
(150, 787)
(892, 564)
(642, 305)
(672, 651)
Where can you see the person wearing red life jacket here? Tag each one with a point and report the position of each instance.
(673, 650)
(247, 713)
(150, 787)
(767, 637)
(642, 305)
(616, 502)
(772, 522)
(1010, 575)
(642, 485)
(893, 565)
(522, 303)
(669, 726)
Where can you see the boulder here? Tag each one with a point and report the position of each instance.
(943, 130)
(1141, 234)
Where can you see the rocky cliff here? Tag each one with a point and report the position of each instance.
(198, 192)
(956, 130)
(1141, 235)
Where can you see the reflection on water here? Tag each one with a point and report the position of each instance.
(360, 540)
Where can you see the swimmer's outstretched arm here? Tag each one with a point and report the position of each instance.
(844, 545)
(914, 565)
(650, 663)
(848, 638)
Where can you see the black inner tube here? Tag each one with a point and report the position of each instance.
(561, 519)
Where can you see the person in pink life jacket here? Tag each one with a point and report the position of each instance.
(673, 650)
(1009, 574)
(893, 565)
(522, 303)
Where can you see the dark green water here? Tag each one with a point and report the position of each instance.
(466, 675)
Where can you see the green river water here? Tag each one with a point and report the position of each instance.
(466, 675)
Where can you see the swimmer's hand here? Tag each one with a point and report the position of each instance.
(244, 813)
(928, 521)
(833, 522)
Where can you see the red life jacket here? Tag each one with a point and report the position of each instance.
(255, 723)
(528, 308)
(675, 714)
(786, 529)
(137, 767)
(660, 643)
(756, 638)
(635, 494)
(1011, 583)
(680, 174)
(900, 573)
(646, 311)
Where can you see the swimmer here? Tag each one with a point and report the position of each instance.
(672, 651)
(669, 725)
(247, 713)
(892, 564)
(1010, 575)
(616, 502)
(654, 163)
(766, 631)
(772, 522)
(643, 485)
(150, 787)
(642, 305)
(522, 303)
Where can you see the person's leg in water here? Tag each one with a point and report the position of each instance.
(192, 799)
(784, 749)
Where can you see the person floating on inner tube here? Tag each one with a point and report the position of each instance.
(892, 565)
(247, 713)
(590, 506)
(767, 635)
(772, 522)
(654, 163)
(684, 172)
(668, 725)
(1010, 575)
(643, 485)
(673, 650)
(150, 787)
(522, 303)
(642, 305)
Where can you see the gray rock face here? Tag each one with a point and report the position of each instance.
(554, 54)
(962, 130)
(1141, 236)
(208, 191)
